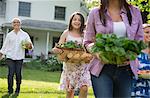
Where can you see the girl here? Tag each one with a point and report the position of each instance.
(74, 76)
(141, 87)
(124, 20)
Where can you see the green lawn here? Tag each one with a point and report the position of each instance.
(35, 84)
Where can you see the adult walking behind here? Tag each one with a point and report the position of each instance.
(14, 48)
(124, 20)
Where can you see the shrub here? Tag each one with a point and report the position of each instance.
(33, 64)
(50, 64)
(2, 62)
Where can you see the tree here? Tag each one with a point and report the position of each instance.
(91, 3)
(144, 5)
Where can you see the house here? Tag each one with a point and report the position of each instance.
(44, 20)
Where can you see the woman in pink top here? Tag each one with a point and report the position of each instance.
(113, 16)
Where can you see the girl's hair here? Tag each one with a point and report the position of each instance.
(146, 26)
(82, 21)
(104, 5)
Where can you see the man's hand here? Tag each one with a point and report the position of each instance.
(1, 56)
(28, 45)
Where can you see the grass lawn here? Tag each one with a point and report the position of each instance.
(35, 84)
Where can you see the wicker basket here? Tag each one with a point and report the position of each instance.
(74, 56)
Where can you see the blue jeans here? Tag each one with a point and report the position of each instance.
(113, 82)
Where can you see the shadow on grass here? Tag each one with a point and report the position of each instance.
(5, 96)
(14, 96)
(9, 96)
(30, 92)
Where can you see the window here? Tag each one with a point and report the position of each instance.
(24, 9)
(60, 13)
(2, 8)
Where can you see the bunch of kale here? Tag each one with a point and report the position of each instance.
(70, 45)
(114, 50)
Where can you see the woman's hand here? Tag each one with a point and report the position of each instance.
(96, 55)
(57, 50)
(127, 62)
(89, 47)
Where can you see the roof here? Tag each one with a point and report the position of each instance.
(40, 25)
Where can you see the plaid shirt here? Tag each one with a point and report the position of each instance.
(94, 26)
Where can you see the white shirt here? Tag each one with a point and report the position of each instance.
(72, 38)
(119, 29)
(12, 46)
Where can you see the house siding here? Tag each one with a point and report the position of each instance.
(41, 10)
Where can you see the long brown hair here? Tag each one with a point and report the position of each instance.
(104, 5)
(82, 21)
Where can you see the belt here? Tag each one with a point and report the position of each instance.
(124, 67)
(121, 65)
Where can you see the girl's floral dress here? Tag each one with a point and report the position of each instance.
(74, 76)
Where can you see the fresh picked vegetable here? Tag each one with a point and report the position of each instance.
(70, 45)
(73, 53)
(24, 44)
(114, 50)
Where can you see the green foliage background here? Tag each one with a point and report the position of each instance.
(144, 5)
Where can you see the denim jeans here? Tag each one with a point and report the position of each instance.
(113, 82)
(14, 67)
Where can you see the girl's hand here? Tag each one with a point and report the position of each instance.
(57, 50)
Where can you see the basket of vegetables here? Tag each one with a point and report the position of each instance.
(72, 52)
(114, 50)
